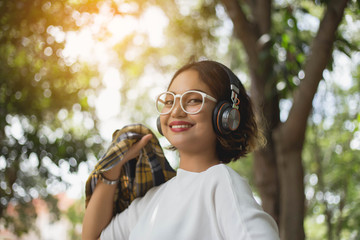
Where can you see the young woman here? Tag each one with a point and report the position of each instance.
(207, 116)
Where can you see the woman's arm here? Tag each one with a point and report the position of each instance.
(98, 213)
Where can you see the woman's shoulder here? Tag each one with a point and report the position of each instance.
(226, 173)
(241, 214)
(230, 181)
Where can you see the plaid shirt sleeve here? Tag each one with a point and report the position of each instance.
(138, 175)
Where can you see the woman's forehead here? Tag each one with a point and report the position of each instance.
(188, 80)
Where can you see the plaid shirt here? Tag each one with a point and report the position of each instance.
(138, 175)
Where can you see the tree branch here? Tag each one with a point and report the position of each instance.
(243, 28)
(321, 51)
(261, 10)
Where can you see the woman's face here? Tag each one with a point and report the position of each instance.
(184, 131)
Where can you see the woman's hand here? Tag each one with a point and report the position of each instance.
(132, 153)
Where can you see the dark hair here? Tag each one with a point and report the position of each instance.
(247, 137)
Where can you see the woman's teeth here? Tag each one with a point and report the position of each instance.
(181, 126)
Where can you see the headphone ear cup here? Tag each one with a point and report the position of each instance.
(219, 110)
(158, 125)
(225, 118)
(233, 119)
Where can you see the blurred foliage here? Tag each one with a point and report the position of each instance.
(46, 122)
(332, 160)
(75, 214)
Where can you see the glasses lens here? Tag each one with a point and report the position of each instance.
(192, 102)
(165, 102)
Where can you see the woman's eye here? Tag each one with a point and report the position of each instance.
(169, 102)
(194, 101)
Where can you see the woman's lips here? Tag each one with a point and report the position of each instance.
(180, 126)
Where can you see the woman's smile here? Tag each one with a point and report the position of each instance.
(180, 126)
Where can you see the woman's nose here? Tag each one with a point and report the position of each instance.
(177, 110)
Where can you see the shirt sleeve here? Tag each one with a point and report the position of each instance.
(239, 215)
(121, 225)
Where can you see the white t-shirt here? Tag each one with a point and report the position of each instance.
(214, 204)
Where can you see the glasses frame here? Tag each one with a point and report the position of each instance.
(204, 95)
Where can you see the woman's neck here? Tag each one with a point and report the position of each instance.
(197, 162)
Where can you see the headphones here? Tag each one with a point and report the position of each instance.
(226, 114)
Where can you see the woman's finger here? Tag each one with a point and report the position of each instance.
(135, 149)
(143, 141)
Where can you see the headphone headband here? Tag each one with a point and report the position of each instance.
(234, 88)
(234, 80)
(234, 85)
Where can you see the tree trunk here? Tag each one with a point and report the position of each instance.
(291, 175)
(266, 104)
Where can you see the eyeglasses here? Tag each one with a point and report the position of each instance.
(191, 101)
